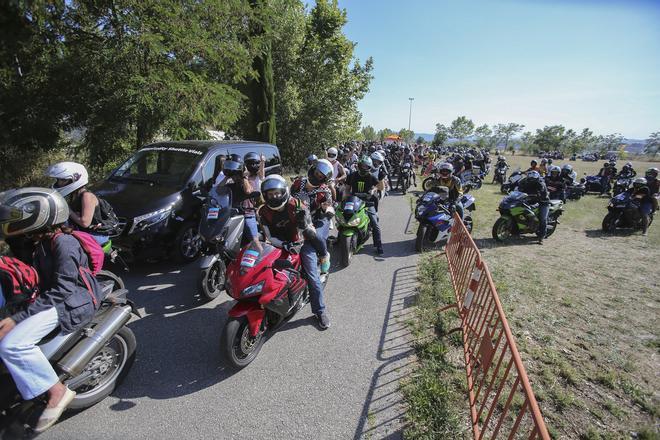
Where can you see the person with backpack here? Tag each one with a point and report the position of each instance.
(87, 212)
(69, 294)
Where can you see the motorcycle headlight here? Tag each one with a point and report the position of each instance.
(253, 289)
(354, 221)
(145, 221)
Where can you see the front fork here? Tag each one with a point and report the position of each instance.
(252, 311)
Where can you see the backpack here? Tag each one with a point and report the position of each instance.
(92, 248)
(20, 282)
(109, 220)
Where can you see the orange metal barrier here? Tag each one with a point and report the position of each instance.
(501, 398)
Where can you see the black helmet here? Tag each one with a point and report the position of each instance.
(567, 168)
(651, 173)
(232, 168)
(275, 191)
(320, 172)
(639, 183)
(372, 149)
(365, 164)
(406, 150)
(533, 162)
(549, 161)
(533, 175)
(252, 161)
(236, 158)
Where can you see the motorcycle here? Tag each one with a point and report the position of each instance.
(91, 361)
(517, 217)
(221, 230)
(269, 288)
(575, 191)
(472, 177)
(436, 219)
(353, 225)
(405, 177)
(500, 175)
(621, 184)
(512, 182)
(594, 184)
(623, 212)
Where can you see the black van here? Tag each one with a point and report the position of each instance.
(156, 193)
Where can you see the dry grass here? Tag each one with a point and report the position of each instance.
(584, 309)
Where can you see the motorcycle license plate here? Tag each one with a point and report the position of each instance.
(213, 213)
(249, 258)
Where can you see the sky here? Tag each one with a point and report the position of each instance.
(580, 63)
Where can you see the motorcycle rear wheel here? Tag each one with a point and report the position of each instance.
(212, 280)
(237, 347)
(502, 229)
(120, 353)
(429, 183)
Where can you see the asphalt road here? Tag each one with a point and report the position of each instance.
(336, 384)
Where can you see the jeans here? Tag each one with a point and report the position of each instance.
(604, 184)
(100, 239)
(544, 208)
(28, 366)
(375, 227)
(310, 261)
(2, 298)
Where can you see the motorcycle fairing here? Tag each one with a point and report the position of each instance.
(254, 313)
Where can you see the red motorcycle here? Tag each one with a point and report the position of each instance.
(269, 289)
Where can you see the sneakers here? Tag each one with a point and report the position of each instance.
(379, 250)
(325, 264)
(324, 320)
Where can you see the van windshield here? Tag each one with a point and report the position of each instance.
(169, 166)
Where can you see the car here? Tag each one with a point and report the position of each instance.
(157, 194)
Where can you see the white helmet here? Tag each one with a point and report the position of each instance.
(332, 153)
(31, 209)
(377, 155)
(73, 172)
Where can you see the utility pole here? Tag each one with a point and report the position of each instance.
(410, 114)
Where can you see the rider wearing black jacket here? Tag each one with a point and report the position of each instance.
(555, 184)
(535, 188)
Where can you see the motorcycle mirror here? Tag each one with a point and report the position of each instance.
(282, 264)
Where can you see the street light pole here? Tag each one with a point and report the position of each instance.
(410, 114)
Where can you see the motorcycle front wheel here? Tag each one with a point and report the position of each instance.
(106, 370)
(609, 222)
(212, 280)
(502, 229)
(345, 250)
(420, 240)
(237, 346)
(429, 183)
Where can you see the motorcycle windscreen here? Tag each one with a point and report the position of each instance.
(216, 213)
(350, 206)
(513, 199)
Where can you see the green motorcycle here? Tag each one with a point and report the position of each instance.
(518, 216)
(353, 226)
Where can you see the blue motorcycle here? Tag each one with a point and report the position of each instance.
(624, 212)
(435, 217)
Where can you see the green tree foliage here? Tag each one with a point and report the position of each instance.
(420, 140)
(484, 136)
(610, 142)
(382, 134)
(441, 135)
(653, 144)
(461, 128)
(527, 142)
(407, 135)
(504, 132)
(369, 133)
(550, 138)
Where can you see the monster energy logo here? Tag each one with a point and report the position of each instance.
(361, 186)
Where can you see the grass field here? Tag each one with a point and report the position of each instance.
(584, 308)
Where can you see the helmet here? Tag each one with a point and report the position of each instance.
(502, 158)
(544, 161)
(446, 166)
(275, 191)
(365, 165)
(31, 210)
(311, 159)
(534, 175)
(406, 150)
(469, 156)
(651, 173)
(252, 162)
(628, 165)
(550, 161)
(554, 168)
(232, 168)
(606, 164)
(639, 182)
(568, 168)
(377, 157)
(332, 154)
(320, 172)
(533, 162)
(236, 158)
(70, 177)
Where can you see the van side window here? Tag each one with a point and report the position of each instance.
(212, 168)
(272, 160)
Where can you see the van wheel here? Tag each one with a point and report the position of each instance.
(187, 243)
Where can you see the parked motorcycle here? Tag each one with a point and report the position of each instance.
(621, 184)
(623, 212)
(269, 288)
(435, 218)
(518, 216)
(221, 230)
(512, 182)
(353, 225)
(575, 191)
(91, 361)
(593, 184)
(500, 175)
(405, 177)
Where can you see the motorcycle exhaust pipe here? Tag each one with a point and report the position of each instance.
(75, 361)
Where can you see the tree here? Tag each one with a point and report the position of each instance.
(504, 132)
(484, 134)
(653, 144)
(441, 135)
(461, 128)
(382, 134)
(527, 142)
(407, 135)
(368, 133)
(550, 138)
(420, 140)
(582, 142)
(611, 142)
